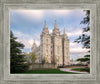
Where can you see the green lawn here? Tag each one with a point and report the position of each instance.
(47, 71)
(81, 69)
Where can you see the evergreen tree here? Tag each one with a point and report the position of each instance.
(85, 59)
(84, 39)
(17, 58)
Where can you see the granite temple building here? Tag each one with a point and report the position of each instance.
(53, 48)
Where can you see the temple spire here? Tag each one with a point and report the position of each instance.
(56, 29)
(64, 31)
(45, 29)
(34, 40)
(55, 19)
(33, 46)
(45, 26)
(55, 23)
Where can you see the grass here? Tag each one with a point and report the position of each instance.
(81, 69)
(47, 71)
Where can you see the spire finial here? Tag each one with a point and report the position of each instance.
(55, 23)
(34, 40)
(45, 26)
(64, 31)
(55, 19)
(45, 21)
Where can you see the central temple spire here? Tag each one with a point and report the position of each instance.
(55, 19)
(56, 29)
(45, 26)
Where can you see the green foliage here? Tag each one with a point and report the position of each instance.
(87, 56)
(17, 58)
(84, 39)
(46, 60)
(82, 69)
(33, 57)
(48, 71)
(83, 59)
(86, 20)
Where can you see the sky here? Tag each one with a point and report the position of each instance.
(27, 26)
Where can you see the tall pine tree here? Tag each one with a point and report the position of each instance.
(17, 58)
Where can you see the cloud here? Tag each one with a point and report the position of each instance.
(28, 42)
(72, 44)
(50, 31)
(26, 39)
(78, 13)
(74, 33)
(75, 56)
(76, 48)
(61, 12)
(29, 14)
(39, 15)
(71, 31)
(31, 42)
(76, 51)
(21, 35)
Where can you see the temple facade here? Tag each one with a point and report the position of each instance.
(54, 47)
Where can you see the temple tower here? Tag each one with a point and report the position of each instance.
(46, 45)
(65, 45)
(34, 46)
(57, 45)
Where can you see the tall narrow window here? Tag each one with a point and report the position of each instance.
(58, 49)
(46, 40)
(47, 50)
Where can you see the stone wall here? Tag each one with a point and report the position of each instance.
(42, 66)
